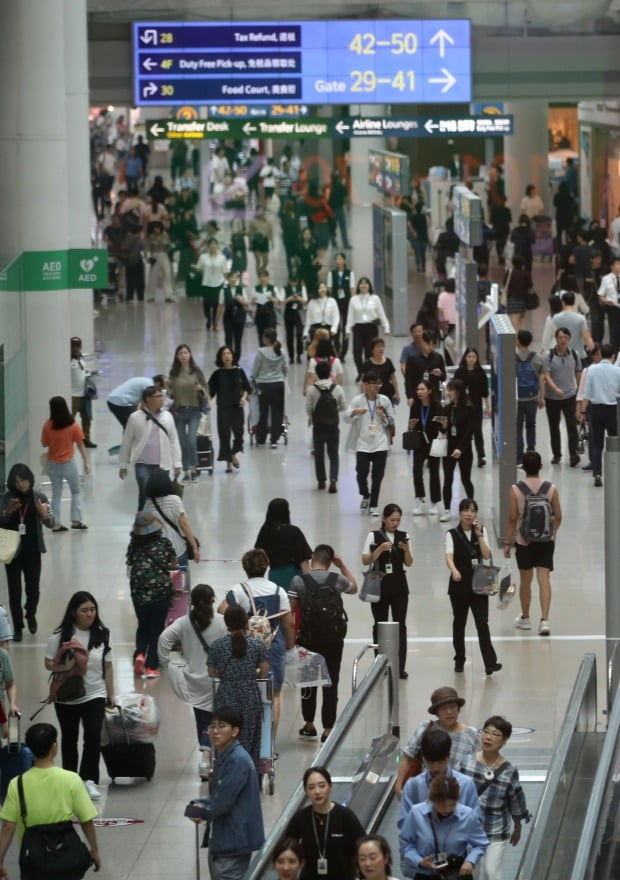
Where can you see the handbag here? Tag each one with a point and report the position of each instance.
(439, 447)
(532, 300)
(371, 584)
(485, 580)
(72, 688)
(9, 545)
(412, 440)
(54, 850)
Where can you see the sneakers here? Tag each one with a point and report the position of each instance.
(574, 460)
(598, 482)
(333, 488)
(185, 478)
(364, 504)
(193, 477)
(274, 445)
(374, 511)
(556, 459)
(543, 628)
(321, 485)
(420, 507)
(446, 516)
(308, 734)
(151, 673)
(491, 669)
(138, 664)
(522, 622)
(93, 792)
(433, 510)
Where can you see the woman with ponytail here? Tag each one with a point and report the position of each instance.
(269, 372)
(238, 660)
(192, 635)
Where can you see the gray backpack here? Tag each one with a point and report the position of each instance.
(537, 521)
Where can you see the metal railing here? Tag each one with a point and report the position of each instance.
(379, 676)
(541, 848)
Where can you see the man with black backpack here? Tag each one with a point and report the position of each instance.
(324, 401)
(534, 517)
(530, 392)
(323, 627)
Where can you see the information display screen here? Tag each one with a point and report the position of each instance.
(315, 62)
(389, 172)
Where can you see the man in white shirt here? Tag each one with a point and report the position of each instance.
(600, 395)
(150, 441)
(609, 297)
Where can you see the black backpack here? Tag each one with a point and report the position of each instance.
(323, 618)
(325, 412)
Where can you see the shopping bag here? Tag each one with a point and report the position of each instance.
(305, 669)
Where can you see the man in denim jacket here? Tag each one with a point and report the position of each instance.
(233, 807)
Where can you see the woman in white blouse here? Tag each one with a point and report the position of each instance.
(213, 265)
(366, 313)
(322, 312)
(531, 203)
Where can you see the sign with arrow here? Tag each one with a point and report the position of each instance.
(305, 62)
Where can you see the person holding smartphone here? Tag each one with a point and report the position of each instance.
(391, 548)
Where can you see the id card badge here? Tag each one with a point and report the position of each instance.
(441, 857)
(365, 318)
(372, 427)
(340, 293)
(21, 529)
(425, 376)
(388, 568)
(321, 867)
(453, 431)
(294, 306)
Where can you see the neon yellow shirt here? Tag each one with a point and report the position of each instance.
(52, 795)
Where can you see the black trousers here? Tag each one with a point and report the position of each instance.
(134, 282)
(396, 603)
(271, 410)
(91, 715)
(603, 418)
(555, 408)
(28, 565)
(209, 310)
(449, 464)
(233, 334)
(342, 340)
(362, 334)
(151, 622)
(326, 438)
(462, 602)
(419, 457)
(262, 320)
(478, 438)
(333, 659)
(229, 420)
(294, 335)
(121, 413)
(363, 463)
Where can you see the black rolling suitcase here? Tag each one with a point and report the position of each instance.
(128, 759)
(204, 451)
(15, 757)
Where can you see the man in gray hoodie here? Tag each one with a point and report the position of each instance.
(324, 400)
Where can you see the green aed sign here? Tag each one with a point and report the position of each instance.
(72, 269)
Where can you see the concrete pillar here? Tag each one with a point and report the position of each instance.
(363, 195)
(33, 187)
(78, 161)
(526, 152)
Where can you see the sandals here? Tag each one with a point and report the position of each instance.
(60, 529)
(79, 525)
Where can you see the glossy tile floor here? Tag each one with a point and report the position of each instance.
(226, 512)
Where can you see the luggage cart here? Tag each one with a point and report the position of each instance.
(267, 755)
(254, 415)
(204, 450)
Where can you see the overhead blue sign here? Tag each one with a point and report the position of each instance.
(311, 62)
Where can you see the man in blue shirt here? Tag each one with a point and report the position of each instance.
(233, 807)
(125, 398)
(601, 390)
(435, 746)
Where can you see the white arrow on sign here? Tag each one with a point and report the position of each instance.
(248, 128)
(156, 130)
(430, 126)
(448, 80)
(442, 38)
(149, 64)
(149, 90)
(341, 127)
(149, 36)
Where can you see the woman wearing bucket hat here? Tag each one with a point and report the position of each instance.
(446, 705)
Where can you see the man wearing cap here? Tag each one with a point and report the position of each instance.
(150, 441)
(446, 705)
(79, 403)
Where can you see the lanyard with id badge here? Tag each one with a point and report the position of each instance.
(321, 862)
(452, 425)
(372, 412)
(21, 528)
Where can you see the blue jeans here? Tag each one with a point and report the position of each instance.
(526, 413)
(65, 470)
(143, 472)
(187, 420)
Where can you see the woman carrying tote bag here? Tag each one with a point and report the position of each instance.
(391, 549)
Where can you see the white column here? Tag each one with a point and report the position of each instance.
(78, 161)
(363, 195)
(33, 173)
(525, 153)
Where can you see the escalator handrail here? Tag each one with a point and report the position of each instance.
(580, 715)
(324, 756)
(592, 824)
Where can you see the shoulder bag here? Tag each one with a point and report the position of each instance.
(55, 850)
(371, 583)
(9, 545)
(188, 547)
(412, 440)
(485, 578)
(532, 300)
(439, 447)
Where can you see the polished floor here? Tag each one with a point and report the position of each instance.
(226, 511)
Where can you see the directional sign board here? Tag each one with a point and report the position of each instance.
(313, 62)
(332, 127)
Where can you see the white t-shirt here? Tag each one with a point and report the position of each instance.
(260, 586)
(172, 506)
(449, 545)
(94, 682)
(336, 372)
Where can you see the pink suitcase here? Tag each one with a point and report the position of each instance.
(179, 606)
